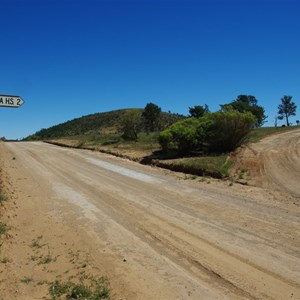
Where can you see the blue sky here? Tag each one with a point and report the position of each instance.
(69, 58)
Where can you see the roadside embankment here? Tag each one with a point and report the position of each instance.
(147, 158)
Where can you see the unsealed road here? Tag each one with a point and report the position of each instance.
(278, 157)
(170, 238)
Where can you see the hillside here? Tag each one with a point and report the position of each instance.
(99, 123)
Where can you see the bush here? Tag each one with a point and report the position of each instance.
(219, 132)
(181, 137)
(228, 130)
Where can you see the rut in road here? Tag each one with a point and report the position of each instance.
(224, 244)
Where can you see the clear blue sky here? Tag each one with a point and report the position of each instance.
(69, 58)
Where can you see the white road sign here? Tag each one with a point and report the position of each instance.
(11, 101)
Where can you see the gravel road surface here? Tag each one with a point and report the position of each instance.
(157, 235)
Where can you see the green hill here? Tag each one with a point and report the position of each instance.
(99, 123)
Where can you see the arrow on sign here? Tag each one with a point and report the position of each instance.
(11, 101)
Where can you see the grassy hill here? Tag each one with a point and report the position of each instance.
(94, 124)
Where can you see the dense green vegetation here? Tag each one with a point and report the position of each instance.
(247, 103)
(217, 132)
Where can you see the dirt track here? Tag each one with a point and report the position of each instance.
(156, 236)
(275, 162)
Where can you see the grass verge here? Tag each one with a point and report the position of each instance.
(258, 134)
(215, 165)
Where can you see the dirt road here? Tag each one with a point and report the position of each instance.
(275, 162)
(155, 235)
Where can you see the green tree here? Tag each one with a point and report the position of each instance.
(131, 124)
(198, 111)
(247, 103)
(247, 99)
(151, 117)
(286, 109)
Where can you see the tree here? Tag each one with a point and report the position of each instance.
(151, 116)
(130, 124)
(247, 103)
(286, 109)
(198, 111)
(247, 99)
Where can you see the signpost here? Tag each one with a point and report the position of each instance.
(11, 101)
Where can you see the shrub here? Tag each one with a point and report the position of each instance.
(228, 130)
(166, 140)
(218, 132)
(182, 136)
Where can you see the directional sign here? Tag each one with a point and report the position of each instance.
(11, 101)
